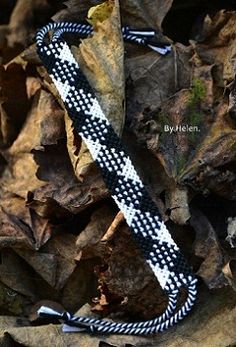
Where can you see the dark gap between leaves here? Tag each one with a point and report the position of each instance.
(6, 7)
(75, 224)
(217, 210)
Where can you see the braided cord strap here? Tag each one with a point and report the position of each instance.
(143, 37)
(149, 231)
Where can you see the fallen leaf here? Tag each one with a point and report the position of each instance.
(45, 121)
(75, 10)
(95, 229)
(217, 42)
(152, 79)
(12, 302)
(63, 251)
(15, 274)
(100, 12)
(58, 199)
(20, 226)
(25, 18)
(126, 282)
(43, 263)
(177, 204)
(208, 248)
(83, 282)
(14, 232)
(208, 167)
(20, 175)
(101, 59)
(144, 13)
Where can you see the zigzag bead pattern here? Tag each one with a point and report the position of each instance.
(141, 214)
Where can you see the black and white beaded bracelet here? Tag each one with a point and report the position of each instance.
(141, 214)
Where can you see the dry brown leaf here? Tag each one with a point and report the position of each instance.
(45, 121)
(207, 246)
(15, 274)
(80, 156)
(43, 263)
(59, 198)
(17, 88)
(198, 156)
(151, 80)
(217, 43)
(177, 204)
(144, 13)
(187, 156)
(83, 282)
(11, 301)
(136, 13)
(63, 248)
(99, 13)
(25, 18)
(102, 61)
(35, 160)
(101, 58)
(13, 232)
(176, 147)
(75, 10)
(20, 226)
(209, 165)
(9, 321)
(126, 282)
(96, 228)
(232, 99)
(20, 176)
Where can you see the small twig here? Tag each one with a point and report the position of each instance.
(119, 218)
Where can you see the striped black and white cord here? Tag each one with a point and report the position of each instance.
(144, 37)
(141, 214)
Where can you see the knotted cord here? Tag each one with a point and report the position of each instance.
(141, 214)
